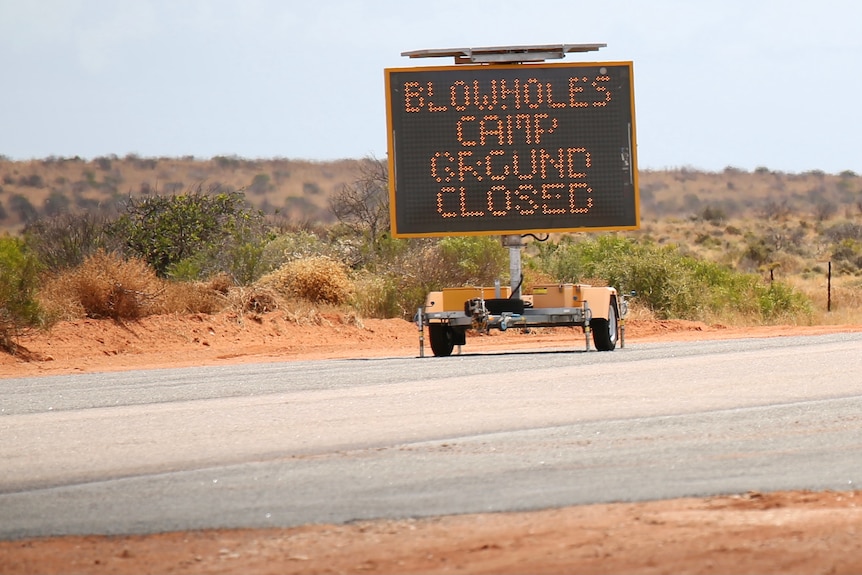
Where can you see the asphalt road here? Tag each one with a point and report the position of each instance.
(284, 444)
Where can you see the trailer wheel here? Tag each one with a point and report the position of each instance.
(606, 332)
(442, 339)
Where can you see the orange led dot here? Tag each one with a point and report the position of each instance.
(464, 212)
(446, 190)
(507, 201)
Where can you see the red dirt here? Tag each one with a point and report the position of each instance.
(786, 532)
(200, 339)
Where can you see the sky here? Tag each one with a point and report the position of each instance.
(738, 83)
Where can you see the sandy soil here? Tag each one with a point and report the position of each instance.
(787, 532)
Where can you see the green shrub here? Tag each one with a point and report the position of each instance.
(241, 257)
(670, 283)
(187, 270)
(217, 231)
(396, 281)
(377, 295)
(472, 260)
(778, 302)
(286, 247)
(19, 277)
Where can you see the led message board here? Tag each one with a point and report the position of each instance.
(507, 149)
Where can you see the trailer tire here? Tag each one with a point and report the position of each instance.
(606, 332)
(442, 339)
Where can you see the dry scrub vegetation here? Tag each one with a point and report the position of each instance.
(123, 238)
(107, 286)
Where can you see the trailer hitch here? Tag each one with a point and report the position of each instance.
(507, 319)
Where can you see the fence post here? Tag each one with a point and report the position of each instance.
(420, 325)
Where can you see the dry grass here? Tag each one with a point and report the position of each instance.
(373, 294)
(317, 279)
(105, 286)
(108, 286)
(192, 297)
(846, 299)
(254, 299)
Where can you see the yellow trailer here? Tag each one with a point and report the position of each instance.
(450, 313)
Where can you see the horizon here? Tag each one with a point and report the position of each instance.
(133, 156)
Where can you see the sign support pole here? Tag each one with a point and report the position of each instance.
(515, 243)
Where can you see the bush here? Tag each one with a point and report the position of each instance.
(847, 255)
(33, 181)
(472, 260)
(217, 232)
(260, 184)
(671, 284)
(572, 260)
(316, 279)
(207, 297)
(239, 257)
(713, 214)
(778, 302)
(106, 286)
(21, 205)
(377, 295)
(19, 277)
(843, 231)
(397, 280)
(287, 247)
(65, 241)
